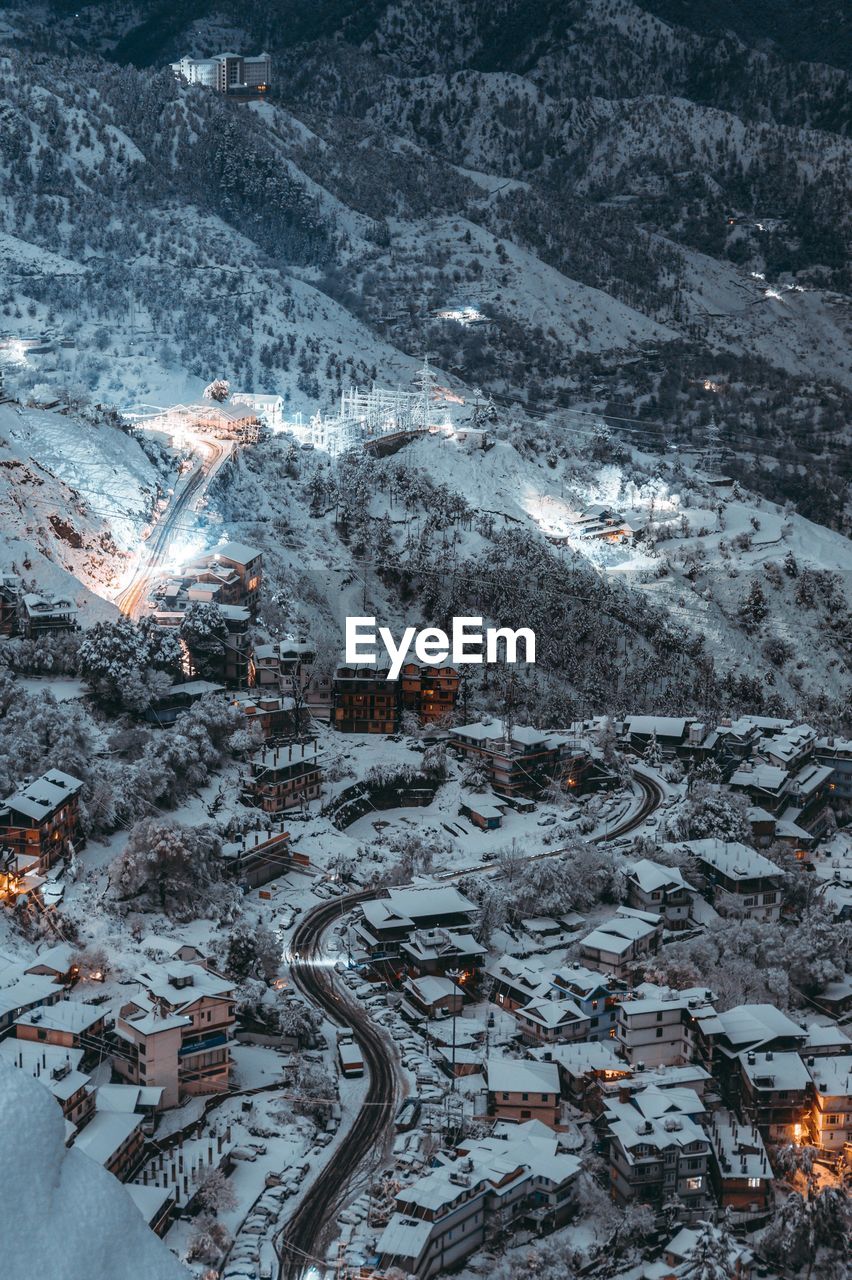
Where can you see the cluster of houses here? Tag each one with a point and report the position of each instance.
(167, 1039)
(786, 771)
(688, 1103)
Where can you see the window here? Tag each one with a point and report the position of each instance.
(659, 1033)
(694, 1184)
(832, 1119)
(525, 1097)
(754, 1182)
(659, 1017)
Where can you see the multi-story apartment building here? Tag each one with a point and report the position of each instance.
(658, 1149)
(740, 1170)
(654, 887)
(775, 1094)
(519, 1090)
(282, 778)
(365, 701)
(829, 1121)
(58, 1069)
(176, 1032)
(739, 879)
(471, 1196)
(656, 1028)
(41, 822)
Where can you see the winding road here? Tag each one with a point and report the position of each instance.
(303, 1239)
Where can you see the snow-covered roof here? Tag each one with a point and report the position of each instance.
(662, 726)
(832, 1075)
(651, 876)
(782, 1071)
(429, 988)
(732, 859)
(765, 777)
(584, 1055)
(105, 1133)
(66, 1015)
(754, 1023)
(509, 1075)
(239, 552)
(47, 793)
(404, 1237)
(423, 903)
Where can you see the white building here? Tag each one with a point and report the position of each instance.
(227, 72)
(269, 408)
(656, 1029)
(616, 944)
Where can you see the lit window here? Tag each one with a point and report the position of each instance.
(754, 1182)
(694, 1184)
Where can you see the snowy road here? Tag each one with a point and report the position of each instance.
(153, 553)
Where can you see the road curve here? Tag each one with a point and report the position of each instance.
(302, 1238)
(301, 1241)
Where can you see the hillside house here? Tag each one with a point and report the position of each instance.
(440, 951)
(40, 615)
(113, 1139)
(70, 1024)
(270, 715)
(431, 997)
(829, 1122)
(286, 777)
(175, 1034)
(670, 732)
(655, 1028)
(739, 879)
(620, 943)
(365, 701)
(257, 857)
(740, 1172)
(836, 754)
(596, 994)
(775, 1094)
(522, 763)
(42, 820)
(520, 1090)
(470, 1196)
(653, 887)
(288, 666)
(481, 811)
(658, 1149)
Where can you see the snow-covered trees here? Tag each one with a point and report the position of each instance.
(653, 753)
(205, 634)
(710, 811)
(215, 1193)
(252, 951)
(170, 868)
(127, 664)
(809, 1237)
(219, 389)
(741, 961)
(753, 607)
(818, 950)
(574, 881)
